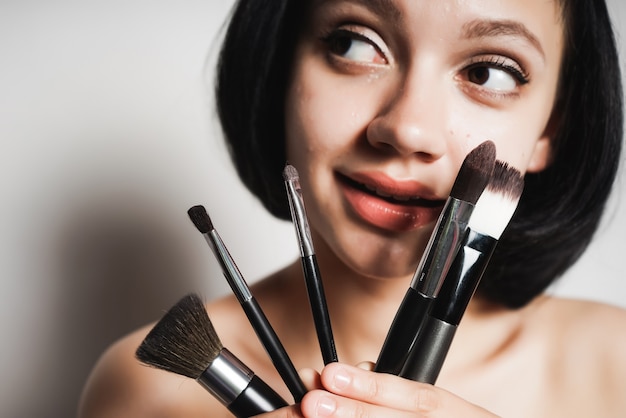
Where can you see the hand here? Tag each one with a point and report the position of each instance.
(352, 392)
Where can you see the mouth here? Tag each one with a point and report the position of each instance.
(394, 194)
(389, 204)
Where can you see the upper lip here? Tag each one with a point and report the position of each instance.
(387, 187)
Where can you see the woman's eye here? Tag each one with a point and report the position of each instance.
(496, 76)
(356, 47)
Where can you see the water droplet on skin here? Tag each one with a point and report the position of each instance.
(373, 77)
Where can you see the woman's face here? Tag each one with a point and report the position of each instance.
(387, 98)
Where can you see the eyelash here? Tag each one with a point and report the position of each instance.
(337, 51)
(500, 63)
(330, 40)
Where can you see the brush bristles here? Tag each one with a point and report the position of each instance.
(290, 173)
(496, 205)
(474, 173)
(200, 219)
(183, 341)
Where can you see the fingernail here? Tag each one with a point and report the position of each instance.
(325, 406)
(342, 379)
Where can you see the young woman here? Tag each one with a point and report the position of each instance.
(377, 101)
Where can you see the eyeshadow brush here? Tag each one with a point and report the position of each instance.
(184, 342)
(312, 276)
(491, 216)
(470, 182)
(251, 307)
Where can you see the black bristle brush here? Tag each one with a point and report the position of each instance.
(473, 176)
(184, 342)
(491, 216)
(312, 275)
(251, 307)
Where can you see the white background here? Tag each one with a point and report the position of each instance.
(107, 139)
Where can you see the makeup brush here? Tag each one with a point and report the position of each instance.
(312, 276)
(492, 214)
(184, 342)
(470, 182)
(251, 307)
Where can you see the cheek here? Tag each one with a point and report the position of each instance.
(520, 141)
(307, 124)
(294, 125)
(323, 116)
(514, 132)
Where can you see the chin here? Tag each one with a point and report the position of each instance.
(388, 273)
(389, 262)
(369, 252)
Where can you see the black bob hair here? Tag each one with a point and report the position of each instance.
(561, 206)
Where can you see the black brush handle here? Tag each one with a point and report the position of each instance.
(405, 326)
(256, 399)
(429, 352)
(319, 309)
(433, 342)
(274, 348)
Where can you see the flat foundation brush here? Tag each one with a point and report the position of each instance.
(184, 342)
(312, 276)
(470, 182)
(252, 309)
(492, 214)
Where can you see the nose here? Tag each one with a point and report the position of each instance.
(411, 122)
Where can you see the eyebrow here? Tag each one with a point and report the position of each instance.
(385, 8)
(490, 28)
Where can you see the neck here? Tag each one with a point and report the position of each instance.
(361, 308)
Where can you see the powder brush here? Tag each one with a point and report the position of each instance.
(184, 342)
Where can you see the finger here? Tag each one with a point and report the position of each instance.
(310, 378)
(366, 365)
(389, 391)
(320, 403)
(380, 388)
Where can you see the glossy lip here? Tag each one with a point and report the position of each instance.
(398, 206)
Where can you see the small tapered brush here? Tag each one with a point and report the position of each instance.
(473, 176)
(184, 342)
(312, 275)
(251, 307)
(491, 216)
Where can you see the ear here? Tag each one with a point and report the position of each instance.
(541, 156)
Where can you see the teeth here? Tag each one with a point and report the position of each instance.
(378, 192)
(387, 195)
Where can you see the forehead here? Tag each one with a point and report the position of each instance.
(540, 22)
(397, 9)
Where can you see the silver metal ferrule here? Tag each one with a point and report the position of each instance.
(231, 272)
(298, 215)
(442, 247)
(226, 377)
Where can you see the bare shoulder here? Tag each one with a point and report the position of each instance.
(120, 385)
(589, 340)
(586, 322)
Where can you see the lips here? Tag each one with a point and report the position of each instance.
(393, 205)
